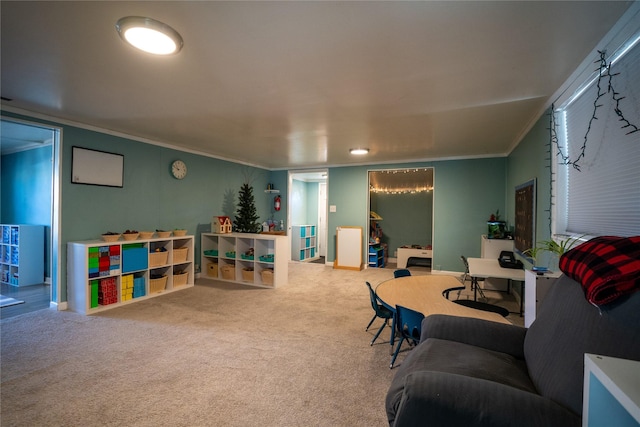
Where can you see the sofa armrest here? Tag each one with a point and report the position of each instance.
(480, 333)
(432, 398)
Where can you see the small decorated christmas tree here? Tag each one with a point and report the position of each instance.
(246, 215)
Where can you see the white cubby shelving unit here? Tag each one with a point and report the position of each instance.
(22, 254)
(303, 242)
(228, 257)
(154, 266)
(611, 396)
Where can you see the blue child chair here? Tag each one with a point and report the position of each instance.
(382, 312)
(409, 325)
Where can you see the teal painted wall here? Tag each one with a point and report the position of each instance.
(26, 179)
(304, 203)
(311, 207)
(347, 190)
(531, 160)
(466, 192)
(279, 179)
(407, 218)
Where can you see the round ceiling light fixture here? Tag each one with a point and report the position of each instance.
(359, 151)
(149, 35)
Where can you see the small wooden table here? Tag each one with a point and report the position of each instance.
(424, 294)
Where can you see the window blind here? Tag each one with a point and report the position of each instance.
(603, 196)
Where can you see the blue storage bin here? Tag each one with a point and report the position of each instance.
(134, 259)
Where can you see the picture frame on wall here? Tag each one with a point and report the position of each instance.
(95, 167)
(525, 220)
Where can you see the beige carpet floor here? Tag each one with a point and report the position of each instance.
(217, 354)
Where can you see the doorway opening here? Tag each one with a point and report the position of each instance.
(307, 215)
(401, 206)
(30, 167)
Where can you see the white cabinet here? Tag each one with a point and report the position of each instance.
(103, 275)
(611, 394)
(491, 248)
(536, 287)
(22, 254)
(303, 242)
(250, 259)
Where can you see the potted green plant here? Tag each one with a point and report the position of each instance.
(534, 254)
(555, 248)
(560, 247)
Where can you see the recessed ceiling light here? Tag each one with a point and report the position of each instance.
(359, 151)
(149, 35)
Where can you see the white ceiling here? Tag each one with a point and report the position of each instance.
(286, 85)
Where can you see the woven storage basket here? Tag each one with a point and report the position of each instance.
(110, 237)
(130, 236)
(228, 272)
(180, 279)
(163, 234)
(157, 285)
(180, 255)
(158, 258)
(144, 235)
(267, 276)
(247, 275)
(179, 233)
(212, 269)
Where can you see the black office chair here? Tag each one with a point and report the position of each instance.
(466, 277)
(409, 326)
(382, 312)
(401, 272)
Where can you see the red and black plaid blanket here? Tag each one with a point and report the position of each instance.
(607, 267)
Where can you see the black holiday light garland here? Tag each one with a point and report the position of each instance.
(553, 141)
(604, 72)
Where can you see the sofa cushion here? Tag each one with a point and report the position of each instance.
(607, 267)
(436, 355)
(440, 399)
(477, 362)
(566, 328)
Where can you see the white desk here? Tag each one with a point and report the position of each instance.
(482, 268)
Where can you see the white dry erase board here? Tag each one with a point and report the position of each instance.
(95, 167)
(348, 248)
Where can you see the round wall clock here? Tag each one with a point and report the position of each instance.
(179, 169)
